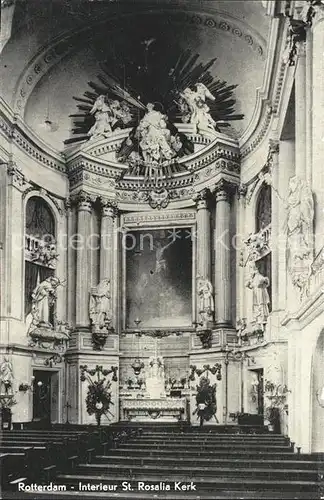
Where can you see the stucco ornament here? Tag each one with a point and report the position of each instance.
(299, 228)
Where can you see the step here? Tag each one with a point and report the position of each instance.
(194, 447)
(213, 437)
(201, 453)
(202, 472)
(202, 484)
(188, 441)
(134, 495)
(212, 462)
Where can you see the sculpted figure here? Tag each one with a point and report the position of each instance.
(154, 136)
(6, 376)
(194, 108)
(299, 222)
(102, 115)
(259, 284)
(43, 297)
(206, 300)
(155, 381)
(100, 304)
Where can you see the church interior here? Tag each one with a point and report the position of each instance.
(161, 248)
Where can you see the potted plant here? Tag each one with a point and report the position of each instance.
(275, 396)
(6, 403)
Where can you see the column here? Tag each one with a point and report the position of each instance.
(223, 312)
(203, 235)
(83, 259)
(300, 111)
(107, 240)
(318, 123)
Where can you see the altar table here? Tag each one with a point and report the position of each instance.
(148, 410)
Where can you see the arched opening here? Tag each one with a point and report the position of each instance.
(317, 388)
(40, 247)
(263, 208)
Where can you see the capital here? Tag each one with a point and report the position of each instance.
(109, 208)
(201, 199)
(84, 202)
(223, 190)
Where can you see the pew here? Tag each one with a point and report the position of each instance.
(42, 454)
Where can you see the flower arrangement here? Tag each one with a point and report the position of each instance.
(206, 406)
(98, 400)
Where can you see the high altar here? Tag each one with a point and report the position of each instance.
(153, 402)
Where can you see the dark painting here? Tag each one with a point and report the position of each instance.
(159, 278)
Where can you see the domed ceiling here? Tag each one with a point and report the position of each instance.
(59, 52)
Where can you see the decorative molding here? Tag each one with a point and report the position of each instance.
(17, 178)
(167, 216)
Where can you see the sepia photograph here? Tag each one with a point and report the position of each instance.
(162, 249)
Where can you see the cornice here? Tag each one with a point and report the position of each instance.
(267, 98)
(16, 131)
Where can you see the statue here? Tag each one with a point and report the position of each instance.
(6, 376)
(43, 298)
(206, 301)
(194, 108)
(154, 136)
(155, 382)
(259, 284)
(100, 304)
(299, 222)
(46, 254)
(102, 114)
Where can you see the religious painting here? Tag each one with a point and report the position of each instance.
(158, 265)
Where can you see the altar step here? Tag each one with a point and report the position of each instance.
(214, 440)
(181, 470)
(221, 466)
(203, 483)
(206, 447)
(225, 453)
(235, 463)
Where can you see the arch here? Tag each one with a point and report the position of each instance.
(42, 219)
(263, 207)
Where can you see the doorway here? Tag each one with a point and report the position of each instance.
(45, 398)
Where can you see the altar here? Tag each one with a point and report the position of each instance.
(148, 410)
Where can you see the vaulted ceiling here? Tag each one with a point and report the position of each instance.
(57, 47)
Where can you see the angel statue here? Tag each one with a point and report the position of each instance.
(103, 116)
(100, 304)
(194, 108)
(206, 301)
